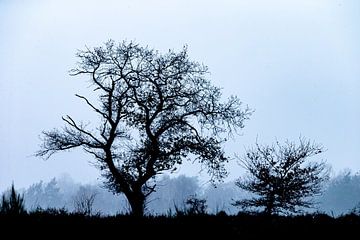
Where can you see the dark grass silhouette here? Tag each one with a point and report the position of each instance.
(241, 226)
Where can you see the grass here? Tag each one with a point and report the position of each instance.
(221, 226)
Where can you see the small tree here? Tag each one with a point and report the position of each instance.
(84, 201)
(279, 177)
(155, 111)
(196, 205)
(13, 204)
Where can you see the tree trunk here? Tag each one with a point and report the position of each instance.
(270, 205)
(137, 203)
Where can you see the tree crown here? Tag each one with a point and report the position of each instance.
(155, 110)
(280, 177)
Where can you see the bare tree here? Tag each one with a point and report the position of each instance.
(279, 177)
(84, 201)
(196, 205)
(155, 110)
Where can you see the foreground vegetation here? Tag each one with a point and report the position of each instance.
(183, 225)
(188, 222)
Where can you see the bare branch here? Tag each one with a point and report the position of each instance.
(93, 107)
(72, 123)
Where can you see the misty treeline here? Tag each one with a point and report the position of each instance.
(341, 195)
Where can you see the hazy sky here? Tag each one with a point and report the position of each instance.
(297, 63)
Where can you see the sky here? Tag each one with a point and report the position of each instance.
(296, 63)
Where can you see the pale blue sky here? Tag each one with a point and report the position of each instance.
(297, 63)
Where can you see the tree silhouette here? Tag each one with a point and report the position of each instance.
(196, 205)
(13, 204)
(84, 200)
(155, 110)
(279, 177)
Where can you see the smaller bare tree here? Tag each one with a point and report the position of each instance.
(84, 200)
(196, 205)
(280, 179)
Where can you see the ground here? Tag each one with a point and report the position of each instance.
(221, 226)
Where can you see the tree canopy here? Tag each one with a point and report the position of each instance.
(280, 177)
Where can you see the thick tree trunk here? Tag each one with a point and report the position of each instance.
(137, 203)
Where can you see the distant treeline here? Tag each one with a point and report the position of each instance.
(341, 195)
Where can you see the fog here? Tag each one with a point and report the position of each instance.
(295, 62)
(341, 195)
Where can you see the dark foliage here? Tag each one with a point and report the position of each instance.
(279, 177)
(195, 205)
(12, 203)
(155, 110)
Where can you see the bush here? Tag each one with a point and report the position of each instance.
(196, 206)
(13, 204)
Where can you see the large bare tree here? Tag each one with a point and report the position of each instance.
(155, 110)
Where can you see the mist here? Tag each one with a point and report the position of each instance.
(340, 196)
